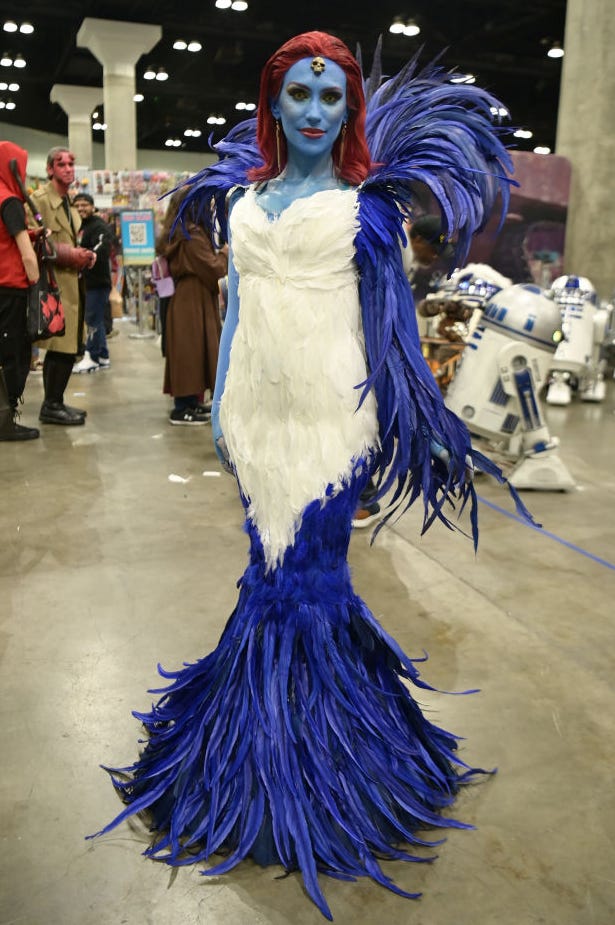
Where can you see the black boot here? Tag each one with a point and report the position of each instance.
(55, 412)
(9, 429)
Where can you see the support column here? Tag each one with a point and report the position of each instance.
(586, 136)
(118, 46)
(78, 103)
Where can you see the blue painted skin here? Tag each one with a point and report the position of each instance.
(311, 109)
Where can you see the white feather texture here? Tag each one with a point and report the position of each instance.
(289, 409)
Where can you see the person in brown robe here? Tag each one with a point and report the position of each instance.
(192, 324)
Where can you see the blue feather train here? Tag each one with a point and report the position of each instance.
(295, 742)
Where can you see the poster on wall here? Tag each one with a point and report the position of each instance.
(138, 236)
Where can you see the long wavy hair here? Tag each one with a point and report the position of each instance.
(356, 158)
(170, 223)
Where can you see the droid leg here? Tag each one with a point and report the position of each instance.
(593, 387)
(559, 391)
(540, 466)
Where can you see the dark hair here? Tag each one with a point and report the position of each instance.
(356, 158)
(85, 197)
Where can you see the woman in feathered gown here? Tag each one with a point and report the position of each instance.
(297, 741)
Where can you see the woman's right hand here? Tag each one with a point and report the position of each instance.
(219, 441)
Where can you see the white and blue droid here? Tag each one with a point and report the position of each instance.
(496, 389)
(578, 367)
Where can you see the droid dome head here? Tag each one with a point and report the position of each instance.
(522, 312)
(573, 290)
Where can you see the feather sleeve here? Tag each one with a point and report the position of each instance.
(414, 423)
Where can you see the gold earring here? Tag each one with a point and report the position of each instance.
(277, 145)
(342, 143)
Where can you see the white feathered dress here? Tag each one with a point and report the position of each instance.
(296, 741)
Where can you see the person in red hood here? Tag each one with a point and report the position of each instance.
(18, 270)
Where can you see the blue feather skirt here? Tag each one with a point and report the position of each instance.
(296, 742)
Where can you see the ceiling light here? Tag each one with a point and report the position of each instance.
(180, 45)
(223, 4)
(212, 120)
(194, 46)
(523, 133)
(6, 60)
(463, 79)
(10, 26)
(397, 27)
(240, 6)
(10, 105)
(499, 111)
(188, 133)
(411, 29)
(13, 88)
(149, 73)
(250, 107)
(2, 104)
(19, 61)
(220, 120)
(162, 74)
(138, 98)
(237, 105)
(542, 149)
(97, 126)
(95, 115)
(556, 51)
(26, 28)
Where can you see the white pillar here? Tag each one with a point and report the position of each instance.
(78, 103)
(586, 136)
(118, 46)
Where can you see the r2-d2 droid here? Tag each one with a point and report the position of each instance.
(577, 362)
(503, 368)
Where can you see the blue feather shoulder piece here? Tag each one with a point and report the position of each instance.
(206, 199)
(423, 129)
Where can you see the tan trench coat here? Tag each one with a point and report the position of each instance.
(49, 203)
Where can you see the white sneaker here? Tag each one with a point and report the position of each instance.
(104, 363)
(85, 365)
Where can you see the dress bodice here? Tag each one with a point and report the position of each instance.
(310, 243)
(290, 405)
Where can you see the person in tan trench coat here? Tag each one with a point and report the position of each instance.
(63, 221)
(192, 330)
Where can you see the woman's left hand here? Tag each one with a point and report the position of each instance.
(441, 453)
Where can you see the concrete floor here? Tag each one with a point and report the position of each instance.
(109, 566)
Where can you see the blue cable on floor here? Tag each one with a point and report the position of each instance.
(553, 536)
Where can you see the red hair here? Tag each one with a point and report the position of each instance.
(356, 157)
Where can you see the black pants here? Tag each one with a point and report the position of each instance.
(15, 348)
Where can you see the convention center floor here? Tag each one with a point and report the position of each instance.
(122, 546)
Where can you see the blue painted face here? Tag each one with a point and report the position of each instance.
(312, 108)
